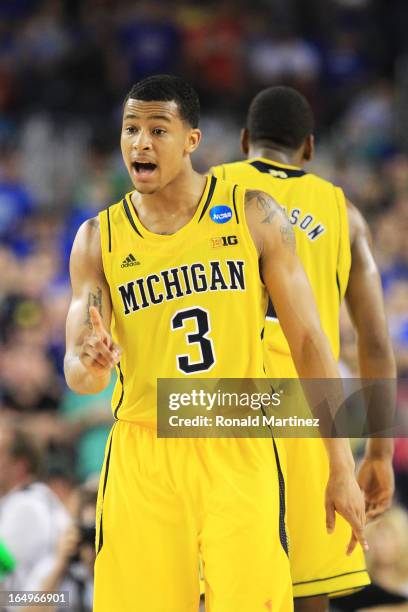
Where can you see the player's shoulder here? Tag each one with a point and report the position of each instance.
(89, 229)
(86, 247)
(322, 183)
(116, 206)
(231, 170)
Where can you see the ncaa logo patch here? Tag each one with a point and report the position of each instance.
(221, 214)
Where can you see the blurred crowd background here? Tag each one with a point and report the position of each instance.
(65, 67)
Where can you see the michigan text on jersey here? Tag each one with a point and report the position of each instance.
(183, 280)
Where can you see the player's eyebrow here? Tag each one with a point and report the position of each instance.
(160, 117)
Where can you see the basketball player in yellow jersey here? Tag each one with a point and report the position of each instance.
(333, 244)
(156, 293)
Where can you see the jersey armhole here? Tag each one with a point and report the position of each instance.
(239, 193)
(344, 251)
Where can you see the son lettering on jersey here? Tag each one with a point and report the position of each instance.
(184, 280)
(306, 222)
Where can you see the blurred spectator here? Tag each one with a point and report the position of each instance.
(150, 38)
(32, 518)
(214, 50)
(88, 419)
(388, 556)
(71, 569)
(388, 567)
(276, 57)
(16, 202)
(368, 125)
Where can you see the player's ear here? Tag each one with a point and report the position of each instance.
(193, 139)
(245, 141)
(308, 149)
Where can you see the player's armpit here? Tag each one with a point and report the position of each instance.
(90, 353)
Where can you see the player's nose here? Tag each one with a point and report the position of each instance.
(142, 141)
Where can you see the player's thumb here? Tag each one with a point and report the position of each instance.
(96, 320)
(330, 517)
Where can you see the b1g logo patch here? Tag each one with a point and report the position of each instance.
(223, 241)
(221, 214)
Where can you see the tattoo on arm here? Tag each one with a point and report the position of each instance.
(263, 203)
(287, 234)
(270, 208)
(94, 299)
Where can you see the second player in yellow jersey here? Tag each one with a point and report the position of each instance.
(317, 211)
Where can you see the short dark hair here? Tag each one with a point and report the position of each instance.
(281, 116)
(22, 446)
(165, 88)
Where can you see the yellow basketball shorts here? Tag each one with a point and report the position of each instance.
(164, 503)
(318, 561)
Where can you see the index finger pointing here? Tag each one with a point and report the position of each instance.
(96, 319)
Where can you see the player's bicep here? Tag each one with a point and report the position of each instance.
(291, 295)
(364, 286)
(281, 269)
(89, 286)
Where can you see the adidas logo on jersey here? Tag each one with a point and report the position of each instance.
(129, 261)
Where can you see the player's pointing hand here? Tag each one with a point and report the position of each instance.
(98, 352)
(343, 495)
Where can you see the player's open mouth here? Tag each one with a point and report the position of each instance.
(143, 169)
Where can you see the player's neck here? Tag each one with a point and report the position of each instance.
(168, 210)
(280, 156)
(177, 196)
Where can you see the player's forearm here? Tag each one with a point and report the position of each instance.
(315, 360)
(377, 361)
(380, 448)
(339, 455)
(80, 380)
(376, 357)
(313, 357)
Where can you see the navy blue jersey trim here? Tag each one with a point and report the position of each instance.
(332, 577)
(282, 503)
(109, 232)
(105, 481)
(235, 203)
(121, 378)
(271, 312)
(129, 216)
(266, 167)
(213, 182)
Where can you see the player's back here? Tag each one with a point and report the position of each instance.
(317, 211)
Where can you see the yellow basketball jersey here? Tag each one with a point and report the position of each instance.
(317, 211)
(188, 304)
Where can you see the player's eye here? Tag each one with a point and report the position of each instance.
(158, 131)
(130, 129)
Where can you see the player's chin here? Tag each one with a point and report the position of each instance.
(147, 189)
(146, 186)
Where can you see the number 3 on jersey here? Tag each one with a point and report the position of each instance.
(199, 337)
